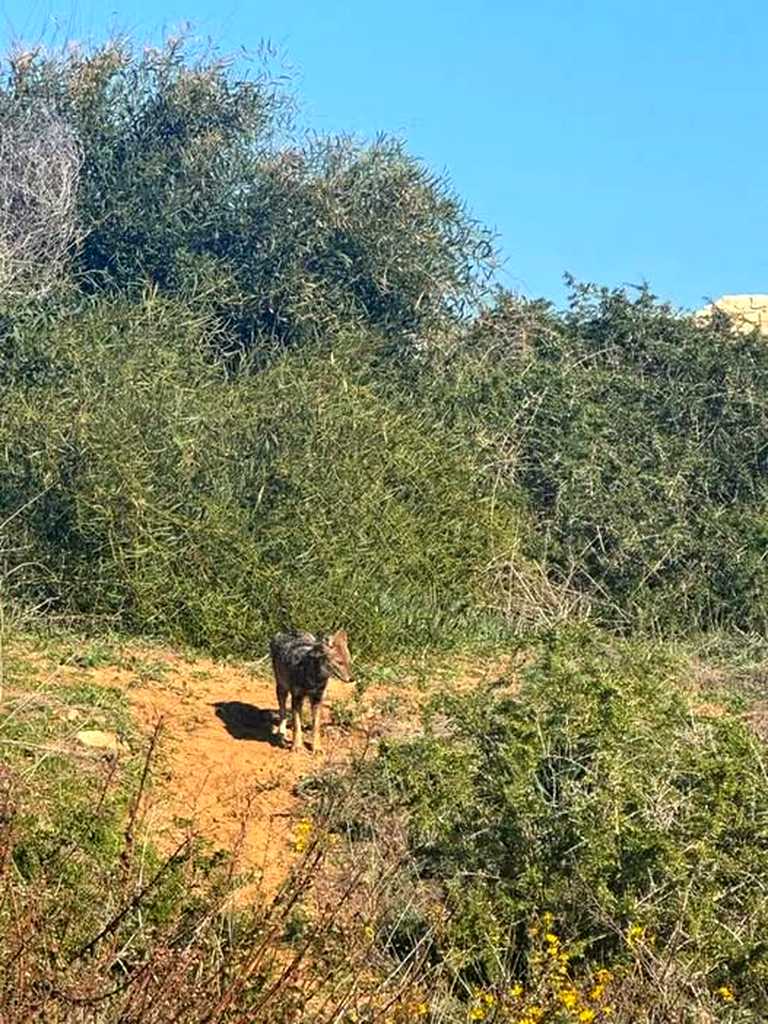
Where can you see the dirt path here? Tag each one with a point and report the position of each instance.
(220, 771)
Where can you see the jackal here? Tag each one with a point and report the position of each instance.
(302, 664)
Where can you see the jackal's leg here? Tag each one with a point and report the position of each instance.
(282, 700)
(298, 739)
(317, 747)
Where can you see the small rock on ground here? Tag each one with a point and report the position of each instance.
(99, 740)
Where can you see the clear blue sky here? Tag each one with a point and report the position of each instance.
(619, 141)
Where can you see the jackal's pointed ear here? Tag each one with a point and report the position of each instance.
(339, 637)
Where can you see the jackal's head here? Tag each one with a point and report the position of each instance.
(336, 654)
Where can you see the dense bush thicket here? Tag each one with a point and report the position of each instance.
(639, 438)
(264, 392)
(177, 501)
(191, 180)
(596, 806)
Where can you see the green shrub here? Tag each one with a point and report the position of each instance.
(639, 437)
(634, 435)
(177, 501)
(191, 180)
(598, 799)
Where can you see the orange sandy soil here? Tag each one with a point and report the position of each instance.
(220, 772)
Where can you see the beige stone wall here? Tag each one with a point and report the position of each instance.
(747, 311)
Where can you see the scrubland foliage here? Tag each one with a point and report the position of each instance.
(170, 499)
(269, 363)
(638, 438)
(192, 180)
(593, 826)
(252, 380)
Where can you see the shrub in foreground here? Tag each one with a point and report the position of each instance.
(593, 822)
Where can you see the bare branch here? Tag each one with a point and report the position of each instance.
(40, 163)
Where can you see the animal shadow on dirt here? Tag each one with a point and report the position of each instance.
(247, 722)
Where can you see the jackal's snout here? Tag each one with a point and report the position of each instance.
(337, 654)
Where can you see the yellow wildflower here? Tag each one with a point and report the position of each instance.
(725, 993)
(569, 997)
(516, 991)
(635, 933)
(552, 939)
(488, 998)
(597, 992)
(587, 1015)
(301, 839)
(532, 1015)
(477, 1013)
(421, 1009)
(603, 976)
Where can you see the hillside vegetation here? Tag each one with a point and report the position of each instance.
(251, 380)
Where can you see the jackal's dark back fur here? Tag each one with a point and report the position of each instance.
(298, 658)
